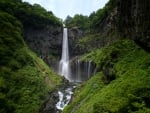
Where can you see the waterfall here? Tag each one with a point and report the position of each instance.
(82, 70)
(78, 73)
(75, 72)
(64, 98)
(89, 69)
(64, 68)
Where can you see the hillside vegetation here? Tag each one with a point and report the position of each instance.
(121, 84)
(115, 39)
(25, 80)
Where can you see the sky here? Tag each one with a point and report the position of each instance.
(63, 8)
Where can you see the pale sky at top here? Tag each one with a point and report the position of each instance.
(63, 8)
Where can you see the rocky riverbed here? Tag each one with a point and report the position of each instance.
(59, 98)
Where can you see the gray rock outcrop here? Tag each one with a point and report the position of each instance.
(46, 42)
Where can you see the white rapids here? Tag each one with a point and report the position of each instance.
(64, 98)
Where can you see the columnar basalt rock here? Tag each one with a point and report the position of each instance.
(134, 16)
(129, 18)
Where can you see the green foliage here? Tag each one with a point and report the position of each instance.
(79, 21)
(83, 94)
(35, 16)
(94, 21)
(112, 52)
(86, 43)
(98, 17)
(129, 92)
(10, 36)
(25, 79)
(91, 42)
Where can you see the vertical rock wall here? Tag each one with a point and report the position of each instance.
(73, 35)
(46, 42)
(134, 20)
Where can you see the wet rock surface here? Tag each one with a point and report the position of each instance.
(49, 106)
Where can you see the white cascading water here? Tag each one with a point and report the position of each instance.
(64, 98)
(89, 69)
(78, 73)
(64, 68)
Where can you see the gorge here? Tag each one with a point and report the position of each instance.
(98, 64)
(81, 74)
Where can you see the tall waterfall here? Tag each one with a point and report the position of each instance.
(73, 70)
(64, 68)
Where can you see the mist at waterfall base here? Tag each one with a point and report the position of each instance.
(73, 70)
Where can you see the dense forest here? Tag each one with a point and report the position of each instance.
(115, 39)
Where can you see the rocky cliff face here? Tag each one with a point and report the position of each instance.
(73, 35)
(129, 18)
(134, 20)
(46, 42)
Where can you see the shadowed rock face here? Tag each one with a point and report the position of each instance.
(134, 21)
(73, 35)
(46, 42)
(129, 18)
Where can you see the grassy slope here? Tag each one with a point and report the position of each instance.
(24, 78)
(124, 88)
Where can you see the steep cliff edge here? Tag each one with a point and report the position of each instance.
(133, 21)
(128, 18)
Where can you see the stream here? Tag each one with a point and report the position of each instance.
(65, 96)
(59, 98)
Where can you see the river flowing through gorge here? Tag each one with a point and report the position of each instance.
(74, 72)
